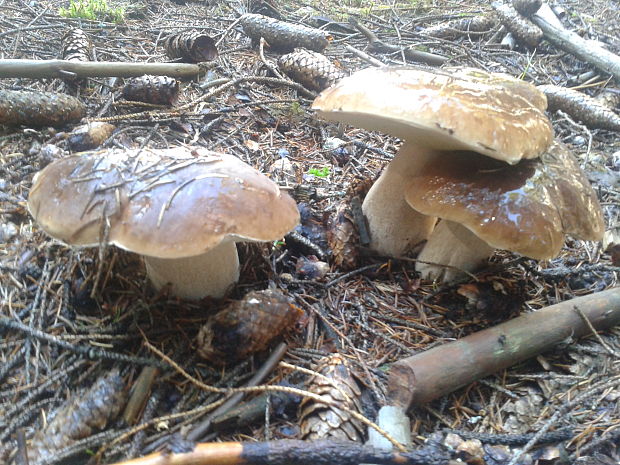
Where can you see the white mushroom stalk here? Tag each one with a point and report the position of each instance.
(394, 226)
(210, 274)
(451, 250)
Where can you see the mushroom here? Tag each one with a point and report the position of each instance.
(451, 109)
(485, 205)
(182, 209)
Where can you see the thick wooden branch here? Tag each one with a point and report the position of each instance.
(62, 68)
(584, 50)
(288, 451)
(443, 369)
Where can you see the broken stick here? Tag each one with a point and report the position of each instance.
(443, 369)
(288, 451)
(583, 49)
(64, 68)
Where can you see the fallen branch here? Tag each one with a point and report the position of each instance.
(287, 451)
(63, 68)
(583, 49)
(377, 45)
(443, 369)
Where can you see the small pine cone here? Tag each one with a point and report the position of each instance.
(609, 98)
(342, 238)
(283, 36)
(89, 136)
(581, 107)
(309, 68)
(75, 46)
(38, 108)
(320, 421)
(191, 47)
(246, 326)
(460, 27)
(158, 90)
(80, 417)
(527, 7)
(524, 30)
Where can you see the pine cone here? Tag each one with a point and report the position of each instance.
(80, 417)
(523, 29)
(38, 108)
(283, 36)
(460, 27)
(527, 7)
(581, 106)
(342, 238)
(158, 90)
(75, 46)
(320, 421)
(89, 136)
(608, 98)
(309, 68)
(246, 326)
(191, 46)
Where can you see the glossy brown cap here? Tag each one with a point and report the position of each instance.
(526, 208)
(162, 203)
(454, 109)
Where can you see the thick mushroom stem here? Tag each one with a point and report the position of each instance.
(455, 249)
(210, 274)
(394, 226)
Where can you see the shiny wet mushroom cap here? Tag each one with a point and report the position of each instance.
(485, 205)
(452, 109)
(182, 210)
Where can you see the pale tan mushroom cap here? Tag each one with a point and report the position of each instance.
(453, 109)
(169, 203)
(526, 208)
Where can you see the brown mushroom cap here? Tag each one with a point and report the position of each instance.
(162, 203)
(526, 208)
(453, 109)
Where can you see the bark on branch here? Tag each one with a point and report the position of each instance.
(584, 50)
(288, 451)
(62, 68)
(443, 369)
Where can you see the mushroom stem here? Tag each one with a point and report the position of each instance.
(210, 274)
(394, 226)
(455, 249)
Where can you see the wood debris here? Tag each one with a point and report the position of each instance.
(335, 382)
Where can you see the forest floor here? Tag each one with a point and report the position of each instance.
(60, 336)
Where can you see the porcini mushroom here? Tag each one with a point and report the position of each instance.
(182, 210)
(451, 109)
(486, 205)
